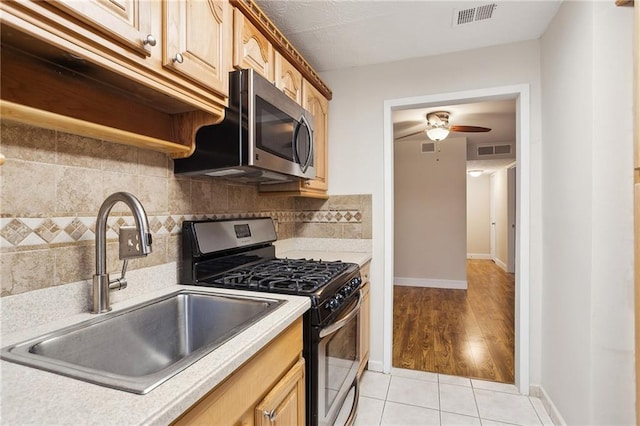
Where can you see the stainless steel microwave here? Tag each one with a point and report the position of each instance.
(265, 136)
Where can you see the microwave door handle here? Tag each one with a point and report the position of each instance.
(303, 122)
(344, 320)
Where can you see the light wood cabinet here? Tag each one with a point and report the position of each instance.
(251, 49)
(198, 41)
(110, 51)
(124, 21)
(285, 404)
(318, 105)
(271, 381)
(288, 79)
(365, 319)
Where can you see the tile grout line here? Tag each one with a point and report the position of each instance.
(475, 400)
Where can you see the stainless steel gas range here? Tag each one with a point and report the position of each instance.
(240, 254)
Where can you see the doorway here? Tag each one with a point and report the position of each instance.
(521, 94)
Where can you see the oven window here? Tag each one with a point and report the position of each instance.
(340, 357)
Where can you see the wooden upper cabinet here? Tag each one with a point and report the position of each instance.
(125, 21)
(197, 41)
(251, 49)
(288, 79)
(318, 105)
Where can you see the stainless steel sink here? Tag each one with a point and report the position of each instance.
(137, 349)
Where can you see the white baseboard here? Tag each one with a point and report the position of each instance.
(433, 283)
(375, 366)
(556, 417)
(501, 264)
(482, 256)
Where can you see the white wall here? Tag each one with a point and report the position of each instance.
(478, 217)
(587, 306)
(500, 189)
(356, 141)
(430, 214)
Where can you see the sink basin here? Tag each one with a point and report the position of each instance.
(137, 349)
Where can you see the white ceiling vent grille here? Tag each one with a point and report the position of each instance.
(473, 14)
(428, 147)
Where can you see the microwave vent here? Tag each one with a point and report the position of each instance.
(428, 147)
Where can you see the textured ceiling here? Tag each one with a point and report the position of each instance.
(336, 34)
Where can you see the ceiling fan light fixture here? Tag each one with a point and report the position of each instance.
(437, 133)
(475, 173)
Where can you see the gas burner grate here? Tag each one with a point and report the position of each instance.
(300, 276)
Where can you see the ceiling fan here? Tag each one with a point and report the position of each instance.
(438, 127)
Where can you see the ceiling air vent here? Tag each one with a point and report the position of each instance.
(473, 14)
(502, 149)
(494, 150)
(428, 147)
(485, 150)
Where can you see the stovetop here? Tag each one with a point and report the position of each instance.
(296, 276)
(238, 254)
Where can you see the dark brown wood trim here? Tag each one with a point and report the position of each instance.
(281, 44)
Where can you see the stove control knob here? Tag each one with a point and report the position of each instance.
(333, 303)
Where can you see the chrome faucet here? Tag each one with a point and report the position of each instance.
(132, 245)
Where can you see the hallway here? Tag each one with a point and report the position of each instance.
(456, 332)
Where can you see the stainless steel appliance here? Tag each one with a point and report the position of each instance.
(265, 136)
(239, 254)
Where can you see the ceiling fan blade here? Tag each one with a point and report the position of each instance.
(469, 129)
(410, 134)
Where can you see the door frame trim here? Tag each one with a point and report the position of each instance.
(523, 222)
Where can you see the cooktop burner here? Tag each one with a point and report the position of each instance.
(298, 276)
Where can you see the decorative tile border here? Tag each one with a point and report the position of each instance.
(329, 216)
(23, 232)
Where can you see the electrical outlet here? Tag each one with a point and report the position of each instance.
(129, 242)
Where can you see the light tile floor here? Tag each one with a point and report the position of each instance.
(407, 397)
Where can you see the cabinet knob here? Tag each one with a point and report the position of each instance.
(149, 40)
(178, 58)
(271, 415)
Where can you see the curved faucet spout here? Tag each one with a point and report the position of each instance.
(101, 278)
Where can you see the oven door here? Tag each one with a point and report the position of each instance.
(338, 363)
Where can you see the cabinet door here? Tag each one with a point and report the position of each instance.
(125, 21)
(318, 105)
(285, 404)
(251, 49)
(288, 79)
(198, 41)
(365, 319)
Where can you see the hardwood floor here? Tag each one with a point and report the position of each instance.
(466, 333)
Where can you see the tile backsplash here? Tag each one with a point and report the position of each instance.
(53, 184)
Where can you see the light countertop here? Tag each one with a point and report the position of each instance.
(32, 396)
(352, 257)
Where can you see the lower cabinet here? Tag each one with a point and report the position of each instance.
(284, 405)
(365, 321)
(267, 390)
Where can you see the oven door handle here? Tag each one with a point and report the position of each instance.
(354, 408)
(344, 320)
